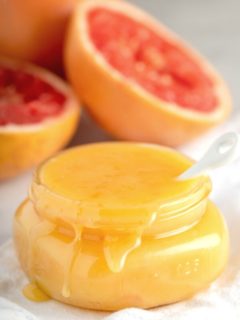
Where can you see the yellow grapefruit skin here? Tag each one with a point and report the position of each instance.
(25, 145)
(123, 107)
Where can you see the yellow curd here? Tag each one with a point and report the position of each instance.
(108, 226)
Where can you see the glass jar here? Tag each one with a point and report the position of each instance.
(108, 226)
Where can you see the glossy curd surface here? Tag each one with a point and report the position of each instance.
(108, 226)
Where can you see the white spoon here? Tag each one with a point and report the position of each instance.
(223, 151)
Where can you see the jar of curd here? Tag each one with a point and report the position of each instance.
(108, 226)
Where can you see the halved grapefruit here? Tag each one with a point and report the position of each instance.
(38, 115)
(139, 80)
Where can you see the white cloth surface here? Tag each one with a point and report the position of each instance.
(220, 302)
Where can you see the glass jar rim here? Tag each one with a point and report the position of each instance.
(160, 217)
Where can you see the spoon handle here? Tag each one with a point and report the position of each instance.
(223, 151)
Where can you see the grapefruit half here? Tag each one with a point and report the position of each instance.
(38, 116)
(139, 80)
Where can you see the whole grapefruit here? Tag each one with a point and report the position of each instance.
(34, 30)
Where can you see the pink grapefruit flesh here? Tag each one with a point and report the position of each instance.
(152, 61)
(27, 99)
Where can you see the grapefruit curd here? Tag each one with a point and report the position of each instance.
(108, 226)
